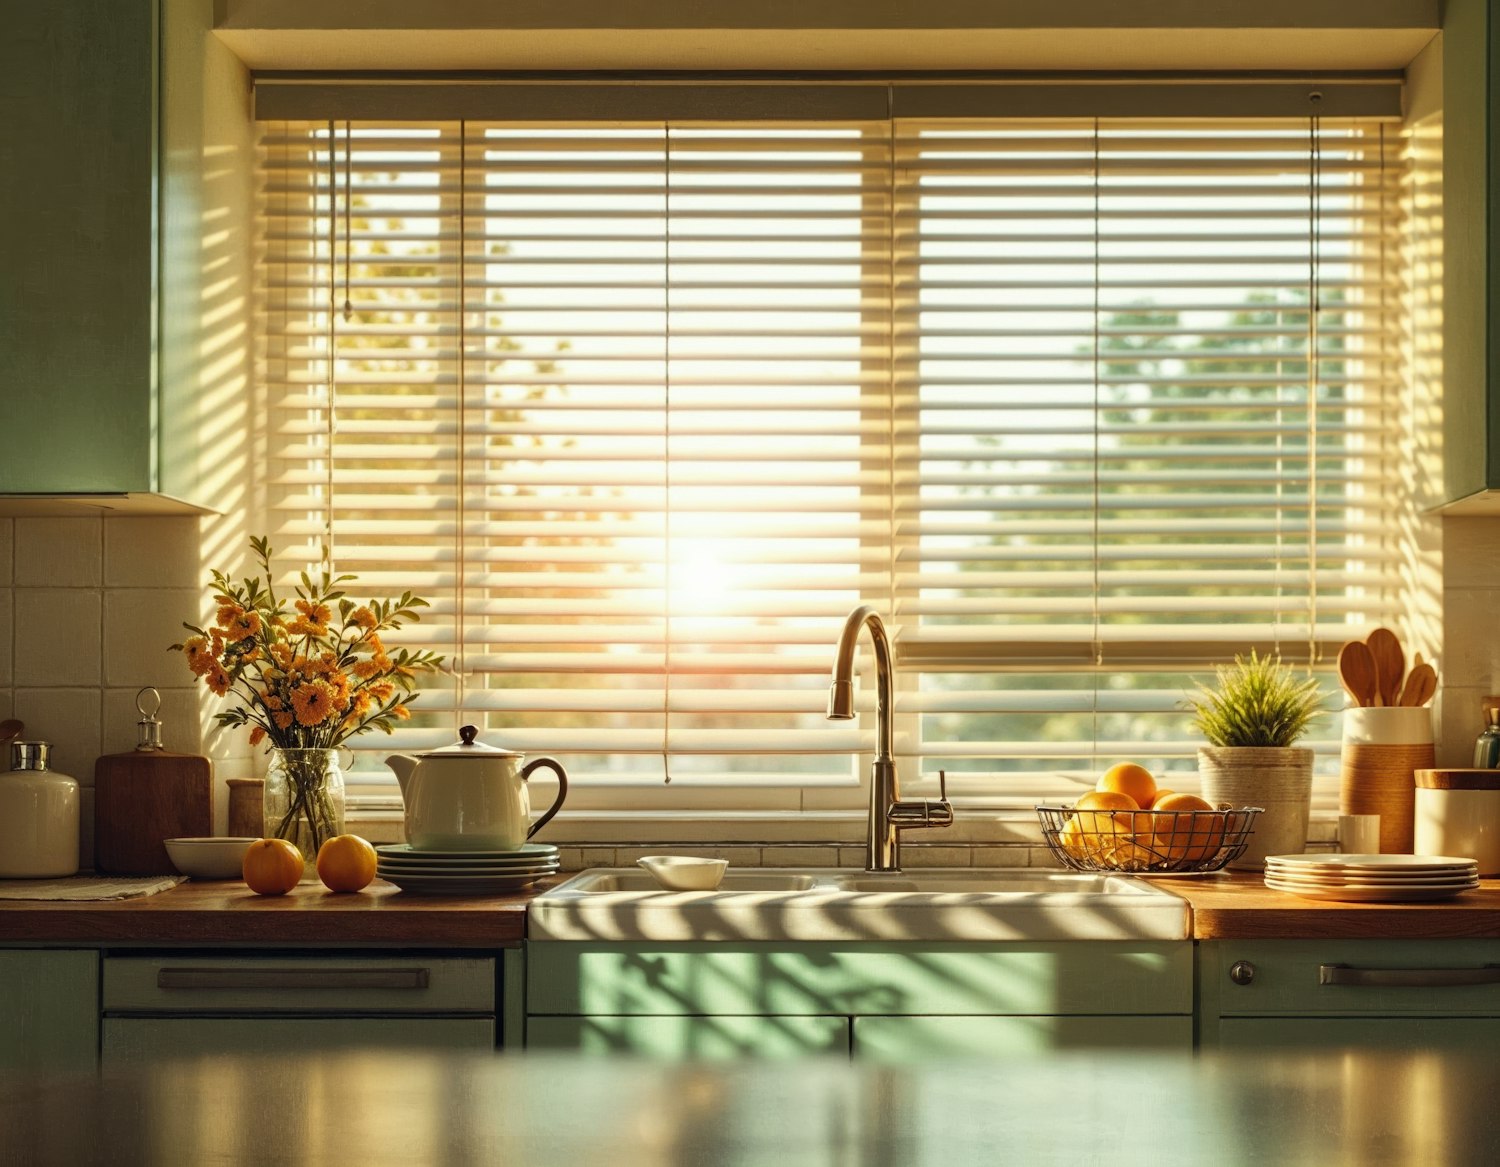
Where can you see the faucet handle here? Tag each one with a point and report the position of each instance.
(942, 785)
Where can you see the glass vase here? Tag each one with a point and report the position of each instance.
(304, 799)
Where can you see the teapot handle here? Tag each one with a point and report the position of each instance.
(562, 790)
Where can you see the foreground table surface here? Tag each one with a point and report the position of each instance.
(1326, 1109)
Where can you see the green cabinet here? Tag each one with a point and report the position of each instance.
(156, 1006)
(1325, 993)
(878, 1000)
(49, 1010)
(125, 211)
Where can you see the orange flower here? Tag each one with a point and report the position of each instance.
(363, 617)
(257, 735)
(199, 659)
(270, 700)
(282, 655)
(243, 626)
(217, 678)
(360, 706)
(382, 690)
(317, 616)
(401, 711)
(229, 612)
(283, 720)
(366, 669)
(313, 702)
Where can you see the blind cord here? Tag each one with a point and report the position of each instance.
(460, 490)
(1097, 340)
(666, 462)
(1314, 307)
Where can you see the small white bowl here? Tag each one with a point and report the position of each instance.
(208, 858)
(684, 872)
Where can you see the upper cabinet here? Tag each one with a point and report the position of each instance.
(125, 210)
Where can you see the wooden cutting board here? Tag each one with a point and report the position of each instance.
(143, 797)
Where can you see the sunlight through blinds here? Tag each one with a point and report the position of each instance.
(646, 407)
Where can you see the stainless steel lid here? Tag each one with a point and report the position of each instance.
(30, 755)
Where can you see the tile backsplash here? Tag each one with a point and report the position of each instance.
(88, 606)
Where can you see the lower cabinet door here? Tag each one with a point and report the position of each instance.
(1481, 1034)
(692, 1037)
(49, 1010)
(136, 1038)
(909, 1038)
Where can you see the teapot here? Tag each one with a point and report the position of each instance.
(470, 796)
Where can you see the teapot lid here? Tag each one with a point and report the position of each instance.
(469, 748)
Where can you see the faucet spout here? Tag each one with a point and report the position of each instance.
(889, 815)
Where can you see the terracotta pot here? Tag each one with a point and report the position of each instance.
(1275, 778)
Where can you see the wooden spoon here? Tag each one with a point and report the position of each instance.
(1357, 672)
(1420, 686)
(1390, 663)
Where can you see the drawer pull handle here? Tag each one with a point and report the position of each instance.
(1407, 978)
(341, 979)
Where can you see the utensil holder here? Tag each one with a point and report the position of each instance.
(1382, 750)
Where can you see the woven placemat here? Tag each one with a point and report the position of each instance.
(86, 887)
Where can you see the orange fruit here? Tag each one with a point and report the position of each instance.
(1103, 818)
(346, 863)
(1161, 793)
(272, 867)
(1128, 778)
(1185, 837)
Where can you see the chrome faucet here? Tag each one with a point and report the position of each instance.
(889, 815)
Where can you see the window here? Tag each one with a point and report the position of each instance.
(647, 406)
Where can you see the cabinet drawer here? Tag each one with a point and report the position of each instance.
(1479, 1034)
(298, 984)
(1047, 978)
(692, 1037)
(905, 1039)
(1352, 977)
(144, 1038)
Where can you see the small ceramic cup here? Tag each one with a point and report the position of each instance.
(1359, 834)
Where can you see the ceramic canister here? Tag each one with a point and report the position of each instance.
(1458, 813)
(1383, 747)
(38, 816)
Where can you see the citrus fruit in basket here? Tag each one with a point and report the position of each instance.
(1131, 780)
(346, 863)
(272, 867)
(1181, 835)
(1161, 793)
(1101, 819)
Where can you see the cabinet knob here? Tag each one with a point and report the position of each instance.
(1242, 972)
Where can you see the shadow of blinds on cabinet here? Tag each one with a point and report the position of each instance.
(1084, 405)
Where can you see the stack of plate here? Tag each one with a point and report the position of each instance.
(1371, 877)
(464, 872)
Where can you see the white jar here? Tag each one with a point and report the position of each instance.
(38, 816)
(1458, 813)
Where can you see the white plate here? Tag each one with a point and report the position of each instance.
(1385, 864)
(386, 871)
(407, 851)
(1368, 895)
(461, 864)
(486, 885)
(1459, 881)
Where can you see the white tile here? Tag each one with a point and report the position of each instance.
(799, 856)
(139, 626)
(919, 856)
(596, 857)
(1016, 855)
(852, 857)
(58, 553)
(179, 715)
(1471, 552)
(1460, 717)
(56, 636)
(7, 534)
(158, 552)
(7, 609)
(69, 719)
(1471, 657)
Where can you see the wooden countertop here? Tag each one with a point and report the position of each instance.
(1372, 1108)
(229, 913)
(1227, 906)
(1239, 906)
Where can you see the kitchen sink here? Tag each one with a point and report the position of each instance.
(1005, 904)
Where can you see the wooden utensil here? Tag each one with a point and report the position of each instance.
(1420, 686)
(1390, 663)
(1357, 672)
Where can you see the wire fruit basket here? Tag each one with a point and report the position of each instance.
(1145, 842)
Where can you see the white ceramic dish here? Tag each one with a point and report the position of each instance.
(1368, 895)
(1456, 881)
(526, 851)
(464, 864)
(684, 872)
(208, 858)
(1381, 863)
(476, 885)
(385, 870)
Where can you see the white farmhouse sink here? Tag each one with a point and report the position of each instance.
(821, 905)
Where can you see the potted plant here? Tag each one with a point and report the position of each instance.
(1251, 718)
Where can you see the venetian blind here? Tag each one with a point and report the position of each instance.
(646, 407)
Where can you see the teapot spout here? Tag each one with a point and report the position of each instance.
(402, 766)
